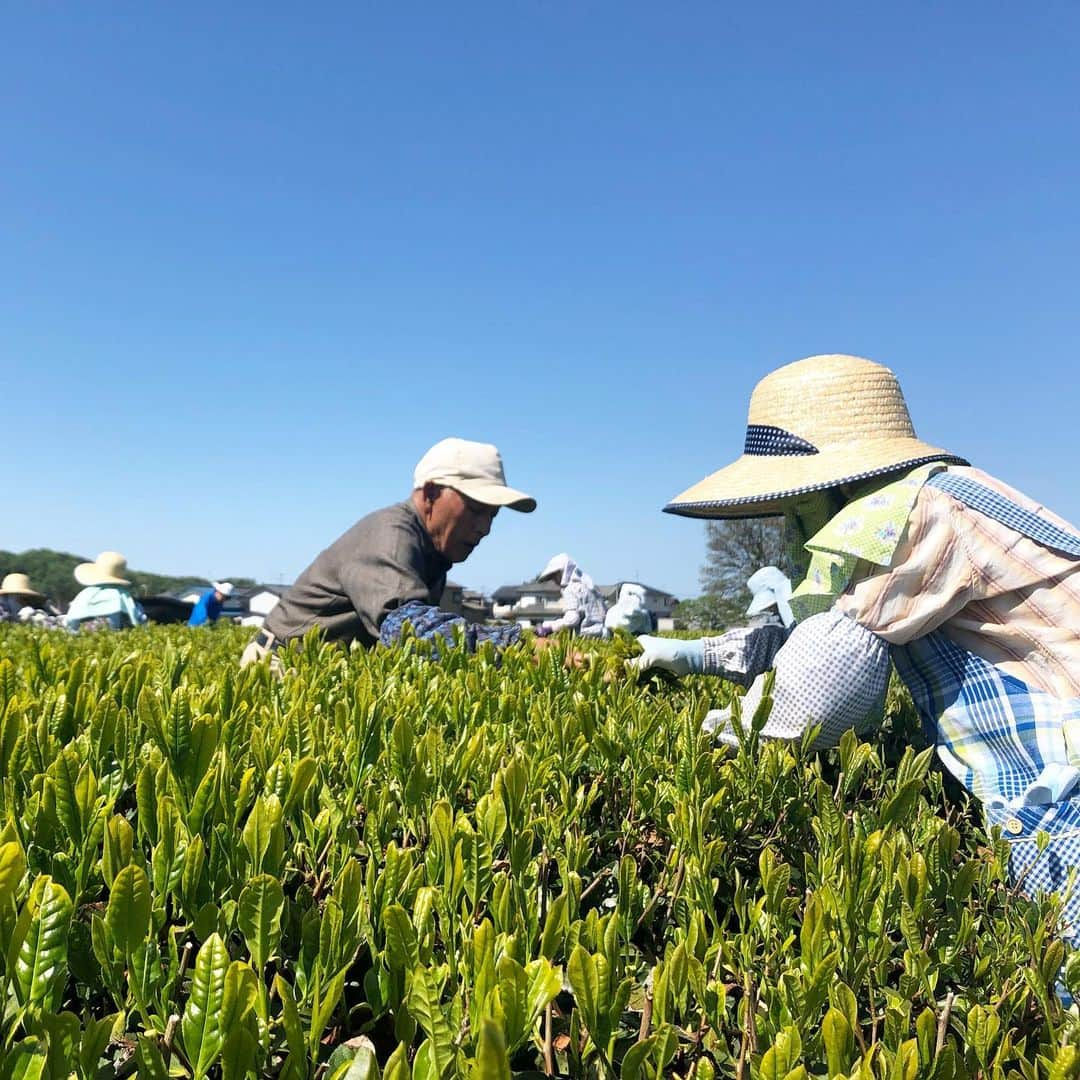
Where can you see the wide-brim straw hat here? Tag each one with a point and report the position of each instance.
(813, 424)
(107, 569)
(18, 585)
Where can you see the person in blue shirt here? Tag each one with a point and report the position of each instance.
(208, 606)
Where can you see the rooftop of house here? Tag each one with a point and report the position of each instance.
(508, 594)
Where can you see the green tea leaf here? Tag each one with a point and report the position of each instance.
(424, 1005)
(201, 1026)
(41, 965)
(128, 913)
(492, 1061)
(259, 918)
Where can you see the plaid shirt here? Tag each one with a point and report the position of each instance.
(588, 607)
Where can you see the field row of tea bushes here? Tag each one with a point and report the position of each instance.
(386, 865)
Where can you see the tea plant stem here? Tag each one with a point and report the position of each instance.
(170, 1034)
(549, 1053)
(189, 949)
(943, 1022)
(605, 872)
(859, 1037)
(748, 1043)
(646, 1016)
(650, 907)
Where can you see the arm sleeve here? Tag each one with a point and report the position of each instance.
(566, 620)
(831, 671)
(131, 607)
(387, 577)
(743, 654)
(432, 623)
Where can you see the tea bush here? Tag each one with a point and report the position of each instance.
(484, 866)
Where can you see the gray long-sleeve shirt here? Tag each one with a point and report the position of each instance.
(385, 560)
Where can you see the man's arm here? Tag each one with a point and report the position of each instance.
(386, 575)
(566, 621)
(430, 623)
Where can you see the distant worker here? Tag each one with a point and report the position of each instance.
(208, 606)
(629, 612)
(584, 607)
(21, 602)
(770, 590)
(390, 567)
(106, 601)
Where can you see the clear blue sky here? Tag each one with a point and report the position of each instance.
(254, 259)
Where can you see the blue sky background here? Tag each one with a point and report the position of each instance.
(254, 259)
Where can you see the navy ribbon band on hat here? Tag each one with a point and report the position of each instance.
(763, 440)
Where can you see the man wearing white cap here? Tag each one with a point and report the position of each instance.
(208, 606)
(390, 567)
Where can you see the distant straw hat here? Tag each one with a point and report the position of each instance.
(813, 424)
(106, 569)
(18, 585)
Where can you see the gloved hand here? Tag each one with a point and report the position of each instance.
(542, 630)
(672, 654)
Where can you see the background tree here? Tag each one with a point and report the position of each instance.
(702, 614)
(734, 549)
(52, 572)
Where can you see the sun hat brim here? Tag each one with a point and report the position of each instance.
(89, 573)
(490, 494)
(758, 485)
(22, 592)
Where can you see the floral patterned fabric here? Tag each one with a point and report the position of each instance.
(868, 529)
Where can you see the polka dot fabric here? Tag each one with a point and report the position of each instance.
(761, 439)
(831, 671)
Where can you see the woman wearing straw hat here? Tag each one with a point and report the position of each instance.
(909, 557)
(21, 602)
(106, 599)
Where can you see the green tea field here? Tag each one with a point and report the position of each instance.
(489, 867)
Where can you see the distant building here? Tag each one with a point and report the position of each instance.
(529, 603)
(532, 602)
(470, 604)
(248, 606)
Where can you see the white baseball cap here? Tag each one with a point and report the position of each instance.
(223, 587)
(473, 468)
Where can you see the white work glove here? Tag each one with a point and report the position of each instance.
(672, 654)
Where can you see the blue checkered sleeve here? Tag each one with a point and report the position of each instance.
(431, 623)
(741, 655)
